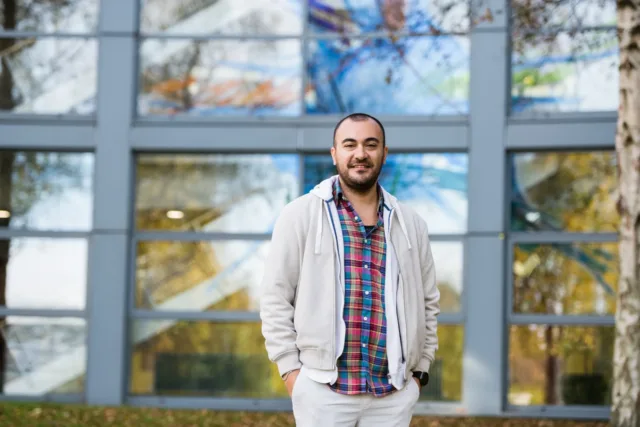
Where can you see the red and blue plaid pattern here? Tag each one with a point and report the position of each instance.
(363, 367)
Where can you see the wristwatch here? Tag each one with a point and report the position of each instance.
(423, 377)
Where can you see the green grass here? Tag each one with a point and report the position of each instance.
(41, 415)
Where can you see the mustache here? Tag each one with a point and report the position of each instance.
(353, 165)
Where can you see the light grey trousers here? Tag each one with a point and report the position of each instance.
(315, 405)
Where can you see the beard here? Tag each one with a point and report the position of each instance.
(359, 181)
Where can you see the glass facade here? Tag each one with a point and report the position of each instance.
(147, 148)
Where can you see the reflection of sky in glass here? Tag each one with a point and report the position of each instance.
(64, 199)
(47, 273)
(435, 185)
(569, 73)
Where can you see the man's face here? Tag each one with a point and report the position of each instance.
(359, 154)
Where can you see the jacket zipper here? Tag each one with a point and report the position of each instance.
(339, 278)
(404, 357)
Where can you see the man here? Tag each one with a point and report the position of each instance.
(349, 299)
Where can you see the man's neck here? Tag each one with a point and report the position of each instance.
(370, 198)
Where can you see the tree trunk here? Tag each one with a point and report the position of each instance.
(625, 411)
(551, 369)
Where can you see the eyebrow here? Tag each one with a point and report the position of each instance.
(370, 139)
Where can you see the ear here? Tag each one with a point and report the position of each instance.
(386, 153)
(333, 155)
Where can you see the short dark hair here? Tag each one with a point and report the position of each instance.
(360, 117)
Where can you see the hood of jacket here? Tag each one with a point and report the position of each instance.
(324, 190)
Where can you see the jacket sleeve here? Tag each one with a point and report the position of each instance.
(278, 289)
(431, 300)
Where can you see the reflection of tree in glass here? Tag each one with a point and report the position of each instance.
(555, 40)
(48, 15)
(560, 365)
(26, 178)
(557, 279)
(223, 360)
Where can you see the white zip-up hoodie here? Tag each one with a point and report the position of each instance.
(302, 299)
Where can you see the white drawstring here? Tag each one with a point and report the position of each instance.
(403, 226)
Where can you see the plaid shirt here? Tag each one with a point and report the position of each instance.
(363, 367)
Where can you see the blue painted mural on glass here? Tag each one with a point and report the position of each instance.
(426, 73)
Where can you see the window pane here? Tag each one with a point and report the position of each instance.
(226, 274)
(43, 273)
(222, 17)
(216, 193)
(411, 75)
(419, 16)
(42, 355)
(77, 16)
(50, 76)
(565, 72)
(208, 275)
(433, 184)
(564, 191)
(198, 358)
(448, 259)
(46, 191)
(445, 374)
(220, 77)
(560, 365)
(565, 278)
(534, 15)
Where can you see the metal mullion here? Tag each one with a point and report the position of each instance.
(456, 318)
(8, 233)
(576, 412)
(558, 30)
(304, 51)
(561, 237)
(431, 408)
(383, 35)
(561, 320)
(208, 316)
(221, 37)
(215, 403)
(46, 119)
(195, 236)
(445, 237)
(41, 312)
(532, 117)
(265, 405)
(188, 122)
(49, 398)
(301, 175)
(4, 34)
(593, 132)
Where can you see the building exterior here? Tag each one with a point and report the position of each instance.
(146, 149)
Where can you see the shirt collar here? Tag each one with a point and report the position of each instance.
(338, 194)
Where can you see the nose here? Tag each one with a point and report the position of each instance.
(360, 153)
